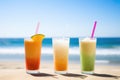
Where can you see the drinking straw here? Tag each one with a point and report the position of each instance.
(93, 30)
(37, 27)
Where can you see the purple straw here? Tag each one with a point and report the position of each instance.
(93, 31)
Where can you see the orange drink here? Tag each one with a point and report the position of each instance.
(61, 48)
(32, 54)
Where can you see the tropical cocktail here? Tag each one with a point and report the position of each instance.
(61, 49)
(33, 52)
(87, 54)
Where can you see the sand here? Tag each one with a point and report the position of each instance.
(15, 70)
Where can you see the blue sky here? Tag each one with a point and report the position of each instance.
(18, 18)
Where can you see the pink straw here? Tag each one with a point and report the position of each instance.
(93, 31)
(37, 28)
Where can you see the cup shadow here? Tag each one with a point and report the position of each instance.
(106, 75)
(43, 75)
(74, 75)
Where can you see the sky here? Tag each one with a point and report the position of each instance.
(73, 18)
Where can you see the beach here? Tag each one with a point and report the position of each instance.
(60, 36)
(12, 61)
(15, 70)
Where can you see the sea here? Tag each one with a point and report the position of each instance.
(107, 52)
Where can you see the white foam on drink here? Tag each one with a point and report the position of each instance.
(61, 42)
(89, 40)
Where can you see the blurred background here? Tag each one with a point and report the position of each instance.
(67, 18)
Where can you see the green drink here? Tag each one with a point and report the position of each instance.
(87, 56)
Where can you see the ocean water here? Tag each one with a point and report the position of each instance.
(108, 50)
